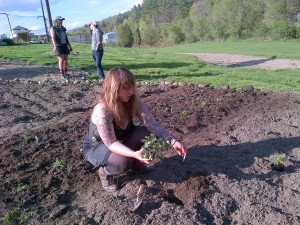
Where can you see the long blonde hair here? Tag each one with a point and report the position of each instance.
(120, 77)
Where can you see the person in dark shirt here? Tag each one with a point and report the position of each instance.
(113, 143)
(61, 45)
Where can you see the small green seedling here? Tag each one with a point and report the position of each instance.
(184, 113)
(27, 138)
(70, 129)
(58, 164)
(66, 143)
(154, 147)
(62, 223)
(16, 216)
(204, 103)
(21, 187)
(278, 159)
(230, 94)
(168, 109)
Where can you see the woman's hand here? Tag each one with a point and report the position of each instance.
(180, 148)
(138, 155)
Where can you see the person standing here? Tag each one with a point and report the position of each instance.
(61, 45)
(97, 48)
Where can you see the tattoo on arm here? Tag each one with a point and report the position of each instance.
(151, 123)
(104, 123)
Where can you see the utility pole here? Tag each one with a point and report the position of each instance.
(46, 29)
(49, 14)
(9, 24)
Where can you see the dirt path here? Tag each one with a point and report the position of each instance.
(10, 70)
(246, 61)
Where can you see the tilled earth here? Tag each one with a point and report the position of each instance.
(226, 177)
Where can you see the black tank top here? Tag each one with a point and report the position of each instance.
(93, 137)
(120, 133)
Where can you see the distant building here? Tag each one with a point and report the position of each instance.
(110, 37)
(21, 33)
(3, 36)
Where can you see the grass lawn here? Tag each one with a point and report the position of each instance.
(155, 64)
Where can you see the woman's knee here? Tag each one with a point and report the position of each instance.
(117, 164)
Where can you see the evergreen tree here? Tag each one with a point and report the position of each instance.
(124, 35)
(137, 37)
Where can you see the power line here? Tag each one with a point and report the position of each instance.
(8, 23)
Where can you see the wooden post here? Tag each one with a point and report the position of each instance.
(49, 14)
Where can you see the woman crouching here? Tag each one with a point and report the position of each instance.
(113, 143)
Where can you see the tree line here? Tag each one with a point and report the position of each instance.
(167, 22)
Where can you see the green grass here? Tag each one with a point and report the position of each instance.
(271, 49)
(155, 64)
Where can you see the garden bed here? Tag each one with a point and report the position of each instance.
(226, 178)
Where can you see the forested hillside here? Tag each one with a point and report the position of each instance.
(158, 22)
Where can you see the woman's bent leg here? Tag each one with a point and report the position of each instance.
(117, 164)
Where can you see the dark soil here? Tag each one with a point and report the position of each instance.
(226, 178)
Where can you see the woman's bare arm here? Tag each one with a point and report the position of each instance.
(52, 34)
(152, 124)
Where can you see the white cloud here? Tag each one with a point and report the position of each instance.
(35, 28)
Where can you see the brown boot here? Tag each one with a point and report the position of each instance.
(107, 181)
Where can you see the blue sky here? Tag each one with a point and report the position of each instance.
(28, 13)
